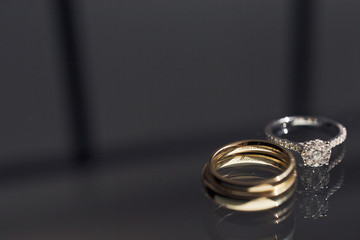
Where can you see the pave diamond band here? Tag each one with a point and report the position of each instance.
(316, 152)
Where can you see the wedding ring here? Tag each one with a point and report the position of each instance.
(315, 152)
(250, 175)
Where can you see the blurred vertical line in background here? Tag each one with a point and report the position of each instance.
(74, 78)
(301, 65)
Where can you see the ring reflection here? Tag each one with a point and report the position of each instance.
(316, 185)
(277, 223)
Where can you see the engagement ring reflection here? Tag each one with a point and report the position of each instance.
(315, 187)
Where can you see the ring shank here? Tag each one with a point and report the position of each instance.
(284, 125)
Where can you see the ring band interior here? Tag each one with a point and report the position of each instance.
(285, 125)
(251, 164)
(250, 154)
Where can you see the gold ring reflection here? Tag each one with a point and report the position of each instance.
(276, 223)
(250, 175)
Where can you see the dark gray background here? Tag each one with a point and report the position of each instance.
(143, 91)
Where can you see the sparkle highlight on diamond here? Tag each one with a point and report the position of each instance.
(316, 153)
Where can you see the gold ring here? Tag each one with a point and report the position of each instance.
(250, 175)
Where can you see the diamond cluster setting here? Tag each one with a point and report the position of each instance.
(316, 153)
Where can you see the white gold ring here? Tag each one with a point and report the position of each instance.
(315, 152)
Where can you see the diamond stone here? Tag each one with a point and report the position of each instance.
(316, 153)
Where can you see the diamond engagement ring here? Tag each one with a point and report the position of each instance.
(315, 152)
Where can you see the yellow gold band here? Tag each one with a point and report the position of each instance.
(250, 175)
